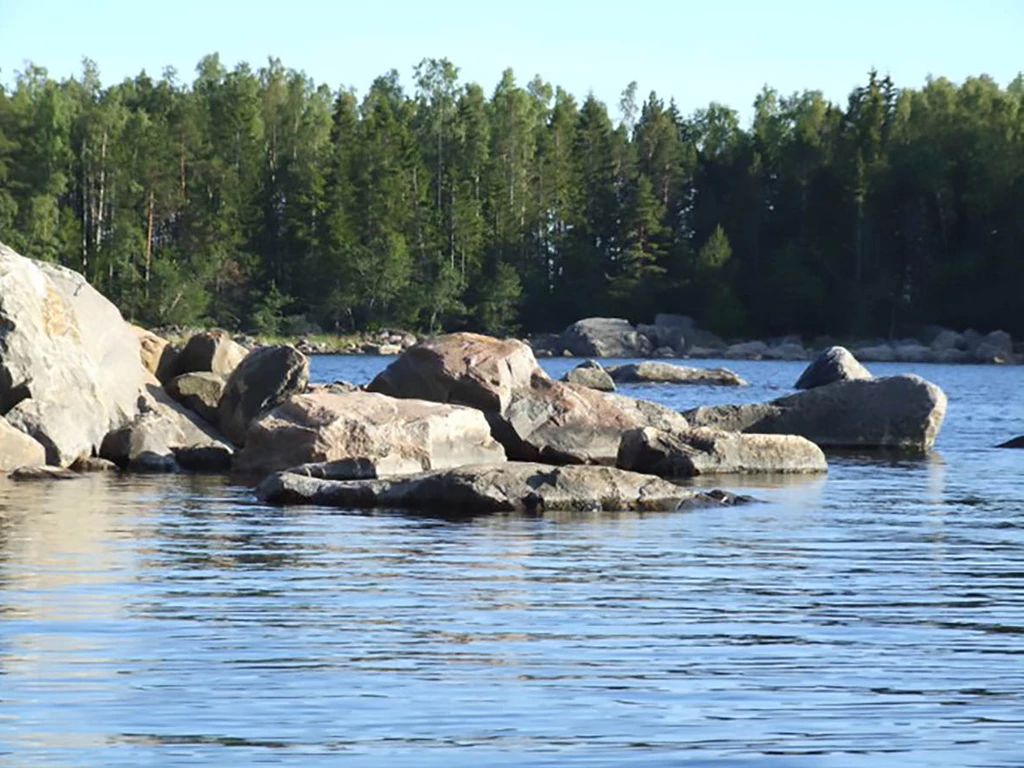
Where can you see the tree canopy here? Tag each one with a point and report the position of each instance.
(249, 195)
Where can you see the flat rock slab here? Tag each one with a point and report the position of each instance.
(653, 372)
(395, 435)
(703, 451)
(485, 488)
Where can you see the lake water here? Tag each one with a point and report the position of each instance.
(873, 617)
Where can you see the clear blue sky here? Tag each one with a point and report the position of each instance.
(693, 51)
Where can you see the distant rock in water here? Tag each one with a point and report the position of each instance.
(592, 375)
(604, 337)
(898, 412)
(70, 366)
(653, 372)
(833, 364)
(1017, 442)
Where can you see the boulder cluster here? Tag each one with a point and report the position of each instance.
(677, 336)
(457, 424)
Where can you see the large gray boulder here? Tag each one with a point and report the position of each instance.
(833, 364)
(899, 412)
(477, 489)
(655, 372)
(590, 374)
(704, 451)
(604, 337)
(560, 423)
(463, 368)
(200, 392)
(70, 370)
(18, 449)
(395, 435)
(995, 347)
(263, 380)
(166, 437)
(214, 351)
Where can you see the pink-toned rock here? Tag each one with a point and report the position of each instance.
(398, 436)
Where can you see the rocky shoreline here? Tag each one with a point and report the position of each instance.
(672, 337)
(460, 423)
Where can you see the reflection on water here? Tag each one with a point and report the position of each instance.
(871, 617)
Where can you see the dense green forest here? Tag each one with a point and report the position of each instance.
(249, 196)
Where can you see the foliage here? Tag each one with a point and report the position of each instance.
(249, 191)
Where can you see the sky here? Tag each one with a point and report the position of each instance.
(694, 52)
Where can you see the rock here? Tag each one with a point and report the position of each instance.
(604, 337)
(703, 451)
(649, 372)
(790, 351)
(200, 392)
(563, 423)
(165, 437)
(665, 353)
(263, 380)
(747, 350)
(951, 356)
(93, 464)
(672, 331)
(946, 340)
(70, 367)
(1017, 442)
(158, 356)
(211, 351)
(18, 449)
(704, 353)
(477, 489)
(44, 472)
(462, 368)
(396, 435)
(995, 347)
(899, 412)
(878, 353)
(832, 364)
(590, 374)
(911, 352)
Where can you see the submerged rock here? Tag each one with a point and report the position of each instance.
(70, 367)
(44, 472)
(509, 487)
(592, 375)
(899, 412)
(394, 435)
(650, 372)
(704, 451)
(833, 364)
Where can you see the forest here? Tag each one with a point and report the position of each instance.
(255, 199)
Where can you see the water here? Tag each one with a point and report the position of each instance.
(870, 618)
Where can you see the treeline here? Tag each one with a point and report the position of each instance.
(250, 196)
